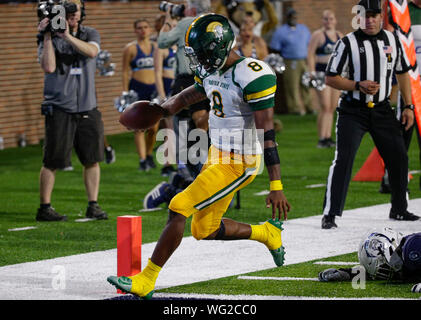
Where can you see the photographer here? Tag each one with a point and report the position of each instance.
(71, 115)
(197, 114)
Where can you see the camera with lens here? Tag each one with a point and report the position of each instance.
(176, 10)
(56, 12)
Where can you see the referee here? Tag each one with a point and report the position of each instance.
(362, 66)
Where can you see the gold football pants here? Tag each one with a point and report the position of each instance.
(207, 198)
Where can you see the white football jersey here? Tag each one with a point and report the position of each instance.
(234, 94)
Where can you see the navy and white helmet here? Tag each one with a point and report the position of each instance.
(375, 251)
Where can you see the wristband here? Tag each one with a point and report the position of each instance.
(276, 185)
(357, 86)
(271, 156)
(409, 106)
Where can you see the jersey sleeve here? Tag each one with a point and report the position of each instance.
(258, 82)
(94, 37)
(338, 61)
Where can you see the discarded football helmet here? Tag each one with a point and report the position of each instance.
(375, 251)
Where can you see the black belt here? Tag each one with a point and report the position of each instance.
(370, 104)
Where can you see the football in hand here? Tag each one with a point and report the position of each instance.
(141, 115)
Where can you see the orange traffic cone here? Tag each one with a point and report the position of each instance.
(372, 169)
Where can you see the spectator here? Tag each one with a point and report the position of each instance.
(71, 115)
(321, 46)
(250, 45)
(291, 41)
(164, 64)
(197, 114)
(138, 66)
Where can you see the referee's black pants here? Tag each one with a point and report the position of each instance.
(353, 121)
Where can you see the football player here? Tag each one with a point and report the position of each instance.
(385, 255)
(241, 91)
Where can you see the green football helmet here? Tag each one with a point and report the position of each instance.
(209, 40)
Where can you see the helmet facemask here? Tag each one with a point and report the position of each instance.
(208, 59)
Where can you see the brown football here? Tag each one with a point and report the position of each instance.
(141, 115)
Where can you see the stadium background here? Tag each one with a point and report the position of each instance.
(21, 78)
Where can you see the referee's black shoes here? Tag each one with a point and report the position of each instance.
(405, 216)
(328, 222)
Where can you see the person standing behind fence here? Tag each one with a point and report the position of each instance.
(368, 58)
(321, 46)
(138, 75)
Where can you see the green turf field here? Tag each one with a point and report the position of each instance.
(123, 187)
(307, 288)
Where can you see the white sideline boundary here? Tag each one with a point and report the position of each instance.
(257, 297)
(85, 274)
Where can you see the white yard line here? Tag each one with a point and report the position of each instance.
(22, 229)
(84, 275)
(336, 263)
(277, 278)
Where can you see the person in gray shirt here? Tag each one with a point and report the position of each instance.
(197, 115)
(72, 119)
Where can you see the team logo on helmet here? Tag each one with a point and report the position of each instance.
(217, 29)
(414, 255)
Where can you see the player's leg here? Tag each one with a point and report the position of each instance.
(150, 139)
(58, 144)
(209, 224)
(139, 140)
(387, 137)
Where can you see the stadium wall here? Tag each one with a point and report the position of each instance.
(21, 78)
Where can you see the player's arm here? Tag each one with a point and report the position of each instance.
(88, 49)
(276, 197)
(312, 47)
(185, 98)
(127, 57)
(47, 55)
(159, 56)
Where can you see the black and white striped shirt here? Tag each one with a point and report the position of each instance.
(359, 57)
